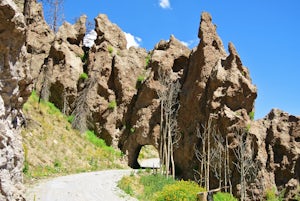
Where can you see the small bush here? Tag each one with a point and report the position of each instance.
(126, 185)
(110, 49)
(112, 105)
(251, 115)
(224, 197)
(141, 78)
(83, 76)
(71, 118)
(148, 58)
(153, 184)
(271, 195)
(132, 130)
(181, 190)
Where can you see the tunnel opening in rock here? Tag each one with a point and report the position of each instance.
(148, 157)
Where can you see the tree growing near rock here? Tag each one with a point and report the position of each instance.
(169, 105)
(245, 164)
(213, 156)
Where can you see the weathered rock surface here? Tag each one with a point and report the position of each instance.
(278, 150)
(114, 91)
(14, 90)
(215, 84)
(39, 38)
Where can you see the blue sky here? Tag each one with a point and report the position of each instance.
(265, 33)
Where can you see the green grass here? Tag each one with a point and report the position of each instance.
(220, 196)
(180, 190)
(149, 187)
(53, 148)
(153, 184)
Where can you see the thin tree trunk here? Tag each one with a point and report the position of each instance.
(208, 159)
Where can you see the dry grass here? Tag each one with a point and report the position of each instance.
(53, 148)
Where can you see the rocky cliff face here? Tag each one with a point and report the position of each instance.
(278, 150)
(114, 91)
(14, 90)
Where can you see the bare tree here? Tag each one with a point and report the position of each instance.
(204, 153)
(169, 105)
(245, 164)
(54, 13)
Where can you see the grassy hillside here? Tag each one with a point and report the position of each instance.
(53, 148)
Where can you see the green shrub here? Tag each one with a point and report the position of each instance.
(71, 118)
(181, 190)
(84, 58)
(110, 49)
(271, 195)
(126, 185)
(220, 196)
(141, 78)
(153, 184)
(148, 58)
(251, 115)
(132, 130)
(112, 104)
(83, 76)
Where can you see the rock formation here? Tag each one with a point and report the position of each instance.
(278, 150)
(14, 90)
(114, 91)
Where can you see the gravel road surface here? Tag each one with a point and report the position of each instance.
(93, 186)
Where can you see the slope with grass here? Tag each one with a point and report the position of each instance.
(53, 148)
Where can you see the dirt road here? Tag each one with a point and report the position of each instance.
(93, 186)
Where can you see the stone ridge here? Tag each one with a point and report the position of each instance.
(119, 98)
(115, 92)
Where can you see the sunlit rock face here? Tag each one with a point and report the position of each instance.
(14, 91)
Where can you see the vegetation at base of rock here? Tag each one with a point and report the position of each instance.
(84, 76)
(98, 142)
(220, 196)
(180, 190)
(147, 186)
(112, 104)
(70, 118)
(53, 148)
(143, 185)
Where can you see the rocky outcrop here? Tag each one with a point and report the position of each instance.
(14, 90)
(39, 38)
(216, 84)
(278, 150)
(114, 91)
